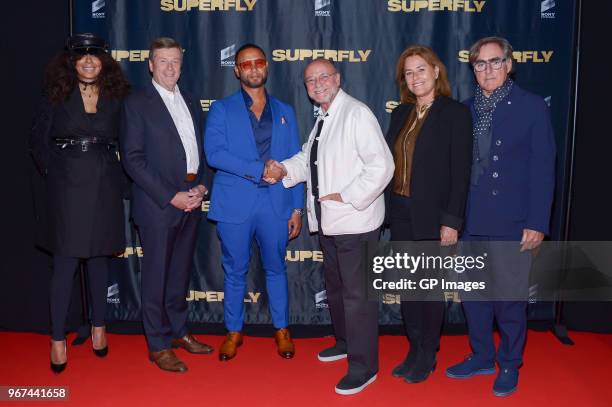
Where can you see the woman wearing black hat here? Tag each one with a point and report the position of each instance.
(73, 143)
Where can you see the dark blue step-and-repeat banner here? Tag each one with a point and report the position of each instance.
(365, 38)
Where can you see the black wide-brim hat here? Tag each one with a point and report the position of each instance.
(86, 43)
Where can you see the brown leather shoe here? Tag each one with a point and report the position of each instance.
(191, 345)
(230, 345)
(284, 344)
(167, 360)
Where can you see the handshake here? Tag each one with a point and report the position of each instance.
(273, 172)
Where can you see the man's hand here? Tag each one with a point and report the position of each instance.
(531, 239)
(181, 200)
(294, 225)
(448, 236)
(196, 195)
(273, 172)
(332, 197)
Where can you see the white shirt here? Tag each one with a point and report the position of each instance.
(353, 160)
(184, 124)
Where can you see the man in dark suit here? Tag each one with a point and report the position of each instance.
(243, 131)
(162, 153)
(510, 197)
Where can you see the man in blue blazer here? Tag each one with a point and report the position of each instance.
(510, 198)
(162, 153)
(243, 132)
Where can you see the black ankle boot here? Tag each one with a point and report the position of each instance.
(425, 365)
(409, 363)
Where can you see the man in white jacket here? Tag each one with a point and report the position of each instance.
(346, 165)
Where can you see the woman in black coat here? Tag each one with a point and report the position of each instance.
(73, 143)
(430, 136)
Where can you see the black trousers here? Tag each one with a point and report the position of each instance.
(64, 269)
(355, 319)
(166, 266)
(422, 319)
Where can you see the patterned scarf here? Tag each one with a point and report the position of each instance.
(484, 107)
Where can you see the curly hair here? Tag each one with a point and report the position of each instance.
(61, 77)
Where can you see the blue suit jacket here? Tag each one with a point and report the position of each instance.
(153, 156)
(230, 149)
(516, 191)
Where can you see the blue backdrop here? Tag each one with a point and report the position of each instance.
(365, 37)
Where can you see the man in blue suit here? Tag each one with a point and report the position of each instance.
(243, 132)
(162, 153)
(509, 202)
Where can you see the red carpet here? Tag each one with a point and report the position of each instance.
(553, 374)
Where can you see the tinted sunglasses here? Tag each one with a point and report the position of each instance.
(252, 64)
(88, 51)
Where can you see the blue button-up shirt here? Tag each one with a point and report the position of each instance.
(262, 128)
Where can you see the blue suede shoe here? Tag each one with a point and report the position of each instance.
(506, 382)
(470, 367)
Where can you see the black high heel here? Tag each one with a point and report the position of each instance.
(99, 352)
(58, 368)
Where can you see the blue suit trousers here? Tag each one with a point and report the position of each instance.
(271, 234)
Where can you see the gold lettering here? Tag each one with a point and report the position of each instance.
(419, 4)
(205, 104)
(317, 255)
(331, 54)
(390, 105)
(364, 54)
(393, 5)
(120, 54)
(190, 296)
(318, 53)
(254, 297)
(547, 55)
(305, 53)
(446, 5)
(415, 6)
(290, 257)
(296, 55)
(391, 299)
(518, 55)
(250, 4)
(464, 55)
(305, 254)
(278, 55)
(166, 5)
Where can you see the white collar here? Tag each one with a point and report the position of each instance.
(165, 92)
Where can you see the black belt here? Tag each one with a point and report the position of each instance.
(85, 143)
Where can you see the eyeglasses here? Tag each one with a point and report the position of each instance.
(495, 63)
(87, 51)
(311, 81)
(252, 64)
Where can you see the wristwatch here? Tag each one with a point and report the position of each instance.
(298, 211)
